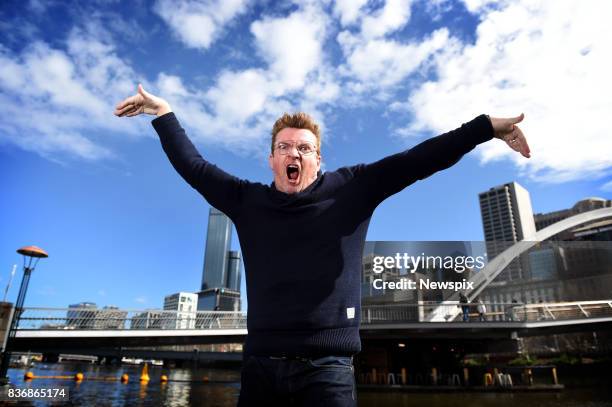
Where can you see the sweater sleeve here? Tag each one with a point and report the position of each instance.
(220, 189)
(394, 173)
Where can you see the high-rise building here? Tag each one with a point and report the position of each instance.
(233, 271)
(218, 299)
(216, 256)
(185, 305)
(220, 288)
(507, 217)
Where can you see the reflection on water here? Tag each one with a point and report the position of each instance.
(220, 387)
(185, 386)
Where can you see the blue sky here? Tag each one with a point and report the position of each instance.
(122, 228)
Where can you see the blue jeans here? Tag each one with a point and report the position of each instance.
(325, 381)
(466, 313)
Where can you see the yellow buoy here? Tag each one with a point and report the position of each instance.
(78, 377)
(144, 376)
(163, 378)
(28, 376)
(124, 378)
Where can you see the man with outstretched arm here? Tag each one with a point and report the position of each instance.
(302, 240)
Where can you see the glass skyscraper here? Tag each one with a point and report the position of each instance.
(233, 268)
(216, 256)
(221, 275)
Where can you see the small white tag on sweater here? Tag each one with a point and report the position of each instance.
(350, 312)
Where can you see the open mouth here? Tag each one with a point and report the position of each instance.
(293, 173)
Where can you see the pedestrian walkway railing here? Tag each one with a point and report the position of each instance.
(567, 310)
(117, 319)
(484, 312)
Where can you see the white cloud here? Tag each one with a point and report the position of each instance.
(210, 117)
(437, 8)
(197, 23)
(239, 95)
(475, 6)
(238, 110)
(394, 15)
(376, 60)
(291, 46)
(550, 60)
(383, 63)
(141, 300)
(348, 10)
(55, 101)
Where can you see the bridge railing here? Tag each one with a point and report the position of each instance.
(494, 311)
(568, 310)
(116, 319)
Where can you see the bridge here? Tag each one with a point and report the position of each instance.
(484, 277)
(107, 332)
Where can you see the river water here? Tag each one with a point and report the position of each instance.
(220, 387)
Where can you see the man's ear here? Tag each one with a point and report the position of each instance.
(271, 162)
(318, 162)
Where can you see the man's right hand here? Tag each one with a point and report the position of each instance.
(142, 102)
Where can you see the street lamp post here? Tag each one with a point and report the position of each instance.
(31, 256)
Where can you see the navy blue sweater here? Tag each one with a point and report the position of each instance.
(302, 252)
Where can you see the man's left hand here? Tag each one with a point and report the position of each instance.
(507, 130)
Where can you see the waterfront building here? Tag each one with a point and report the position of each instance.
(110, 317)
(149, 319)
(543, 220)
(507, 217)
(219, 299)
(81, 315)
(185, 306)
